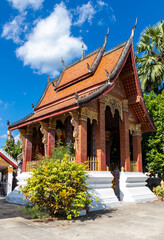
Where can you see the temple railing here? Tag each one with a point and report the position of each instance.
(30, 165)
(133, 166)
(92, 164)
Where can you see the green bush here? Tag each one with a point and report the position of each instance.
(57, 186)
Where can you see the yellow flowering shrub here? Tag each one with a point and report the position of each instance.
(57, 187)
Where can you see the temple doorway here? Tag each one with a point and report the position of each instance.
(112, 130)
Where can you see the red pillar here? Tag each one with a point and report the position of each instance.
(28, 151)
(137, 150)
(81, 155)
(124, 138)
(101, 151)
(51, 141)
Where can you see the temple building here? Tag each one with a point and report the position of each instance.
(97, 104)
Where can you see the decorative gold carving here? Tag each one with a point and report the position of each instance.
(132, 128)
(113, 103)
(44, 131)
(135, 129)
(52, 124)
(29, 130)
(107, 135)
(130, 117)
(138, 131)
(75, 124)
(87, 113)
(10, 169)
(125, 105)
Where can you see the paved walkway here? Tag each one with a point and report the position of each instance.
(141, 221)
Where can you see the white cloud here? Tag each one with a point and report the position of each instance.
(1, 102)
(100, 22)
(16, 138)
(113, 18)
(50, 40)
(0, 119)
(13, 29)
(102, 3)
(86, 13)
(21, 5)
(3, 136)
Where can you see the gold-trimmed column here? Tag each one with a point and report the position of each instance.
(26, 137)
(124, 138)
(100, 134)
(51, 136)
(44, 131)
(137, 150)
(82, 148)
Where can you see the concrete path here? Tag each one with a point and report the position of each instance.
(141, 221)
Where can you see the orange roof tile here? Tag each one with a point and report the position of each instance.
(77, 70)
(76, 78)
(108, 62)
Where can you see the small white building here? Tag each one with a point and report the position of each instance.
(7, 168)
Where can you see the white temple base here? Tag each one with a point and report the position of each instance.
(133, 189)
(100, 183)
(15, 196)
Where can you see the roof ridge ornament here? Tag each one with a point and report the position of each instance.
(76, 96)
(48, 78)
(82, 54)
(99, 55)
(62, 62)
(105, 40)
(88, 66)
(133, 28)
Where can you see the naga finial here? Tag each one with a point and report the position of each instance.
(63, 63)
(107, 34)
(48, 78)
(76, 96)
(82, 55)
(133, 28)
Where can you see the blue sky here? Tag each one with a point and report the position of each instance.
(36, 34)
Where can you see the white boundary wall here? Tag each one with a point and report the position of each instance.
(133, 188)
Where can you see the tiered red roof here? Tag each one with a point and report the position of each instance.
(90, 78)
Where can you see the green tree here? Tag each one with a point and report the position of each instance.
(14, 149)
(153, 143)
(150, 58)
(57, 186)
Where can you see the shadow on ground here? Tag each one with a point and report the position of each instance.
(9, 210)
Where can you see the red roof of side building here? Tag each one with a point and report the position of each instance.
(8, 158)
(92, 77)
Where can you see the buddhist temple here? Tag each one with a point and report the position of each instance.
(96, 103)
